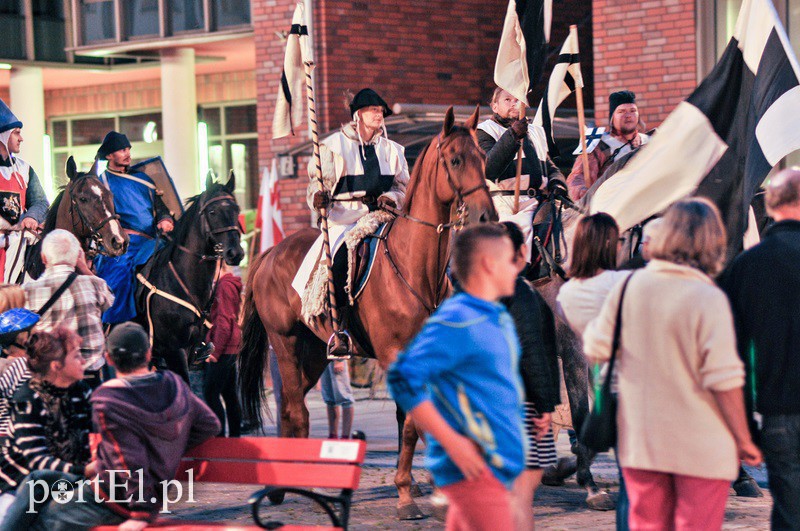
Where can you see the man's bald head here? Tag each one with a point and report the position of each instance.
(782, 196)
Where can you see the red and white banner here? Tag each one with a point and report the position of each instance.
(269, 218)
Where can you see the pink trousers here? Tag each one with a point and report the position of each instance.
(482, 503)
(660, 500)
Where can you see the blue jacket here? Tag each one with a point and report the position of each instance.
(466, 361)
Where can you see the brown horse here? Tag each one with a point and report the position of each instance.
(447, 188)
(86, 209)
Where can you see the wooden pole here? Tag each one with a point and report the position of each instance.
(521, 116)
(326, 243)
(581, 121)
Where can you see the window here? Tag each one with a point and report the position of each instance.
(233, 145)
(97, 21)
(12, 20)
(48, 30)
(186, 15)
(81, 136)
(231, 12)
(141, 18)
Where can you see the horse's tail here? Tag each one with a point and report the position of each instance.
(253, 358)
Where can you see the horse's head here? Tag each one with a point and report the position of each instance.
(463, 181)
(219, 215)
(92, 211)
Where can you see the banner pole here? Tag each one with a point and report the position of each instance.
(323, 212)
(581, 116)
(521, 116)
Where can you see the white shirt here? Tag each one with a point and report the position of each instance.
(580, 299)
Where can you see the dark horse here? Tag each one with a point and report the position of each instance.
(184, 269)
(447, 188)
(85, 207)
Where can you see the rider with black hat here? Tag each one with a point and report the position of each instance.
(142, 213)
(623, 137)
(362, 170)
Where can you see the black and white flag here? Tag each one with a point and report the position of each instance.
(523, 47)
(725, 138)
(566, 77)
(289, 107)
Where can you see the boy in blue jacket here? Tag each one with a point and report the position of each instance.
(459, 380)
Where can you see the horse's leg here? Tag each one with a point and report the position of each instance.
(294, 414)
(400, 417)
(175, 359)
(576, 377)
(407, 508)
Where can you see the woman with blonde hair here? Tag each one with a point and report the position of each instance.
(681, 417)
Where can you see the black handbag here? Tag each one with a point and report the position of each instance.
(599, 430)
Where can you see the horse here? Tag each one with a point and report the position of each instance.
(176, 287)
(447, 189)
(85, 207)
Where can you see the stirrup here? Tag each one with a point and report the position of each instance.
(335, 355)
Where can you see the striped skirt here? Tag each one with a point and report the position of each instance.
(539, 454)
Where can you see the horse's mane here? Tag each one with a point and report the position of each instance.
(416, 172)
(184, 225)
(52, 212)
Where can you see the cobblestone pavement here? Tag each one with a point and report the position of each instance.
(374, 502)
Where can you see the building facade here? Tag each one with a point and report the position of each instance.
(196, 80)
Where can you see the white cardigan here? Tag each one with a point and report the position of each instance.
(678, 346)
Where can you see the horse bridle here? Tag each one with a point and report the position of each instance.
(461, 206)
(461, 214)
(209, 231)
(94, 231)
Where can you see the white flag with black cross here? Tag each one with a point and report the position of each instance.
(523, 47)
(290, 103)
(566, 77)
(725, 138)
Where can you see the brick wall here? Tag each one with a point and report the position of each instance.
(415, 51)
(648, 47)
(211, 88)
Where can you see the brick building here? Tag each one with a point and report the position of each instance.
(116, 64)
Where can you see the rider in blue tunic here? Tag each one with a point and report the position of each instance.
(142, 213)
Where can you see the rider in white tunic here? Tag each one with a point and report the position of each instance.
(500, 138)
(362, 169)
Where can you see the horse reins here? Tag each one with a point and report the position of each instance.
(462, 212)
(193, 304)
(94, 231)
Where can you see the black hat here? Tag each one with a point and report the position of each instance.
(128, 337)
(112, 142)
(367, 98)
(619, 98)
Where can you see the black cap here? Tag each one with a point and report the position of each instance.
(112, 142)
(367, 98)
(129, 338)
(619, 98)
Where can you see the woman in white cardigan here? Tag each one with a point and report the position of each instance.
(681, 416)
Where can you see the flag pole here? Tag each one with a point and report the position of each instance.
(323, 212)
(581, 117)
(520, 116)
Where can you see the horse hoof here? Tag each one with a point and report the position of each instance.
(276, 498)
(416, 491)
(409, 512)
(551, 478)
(601, 501)
(554, 476)
(748, 488)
